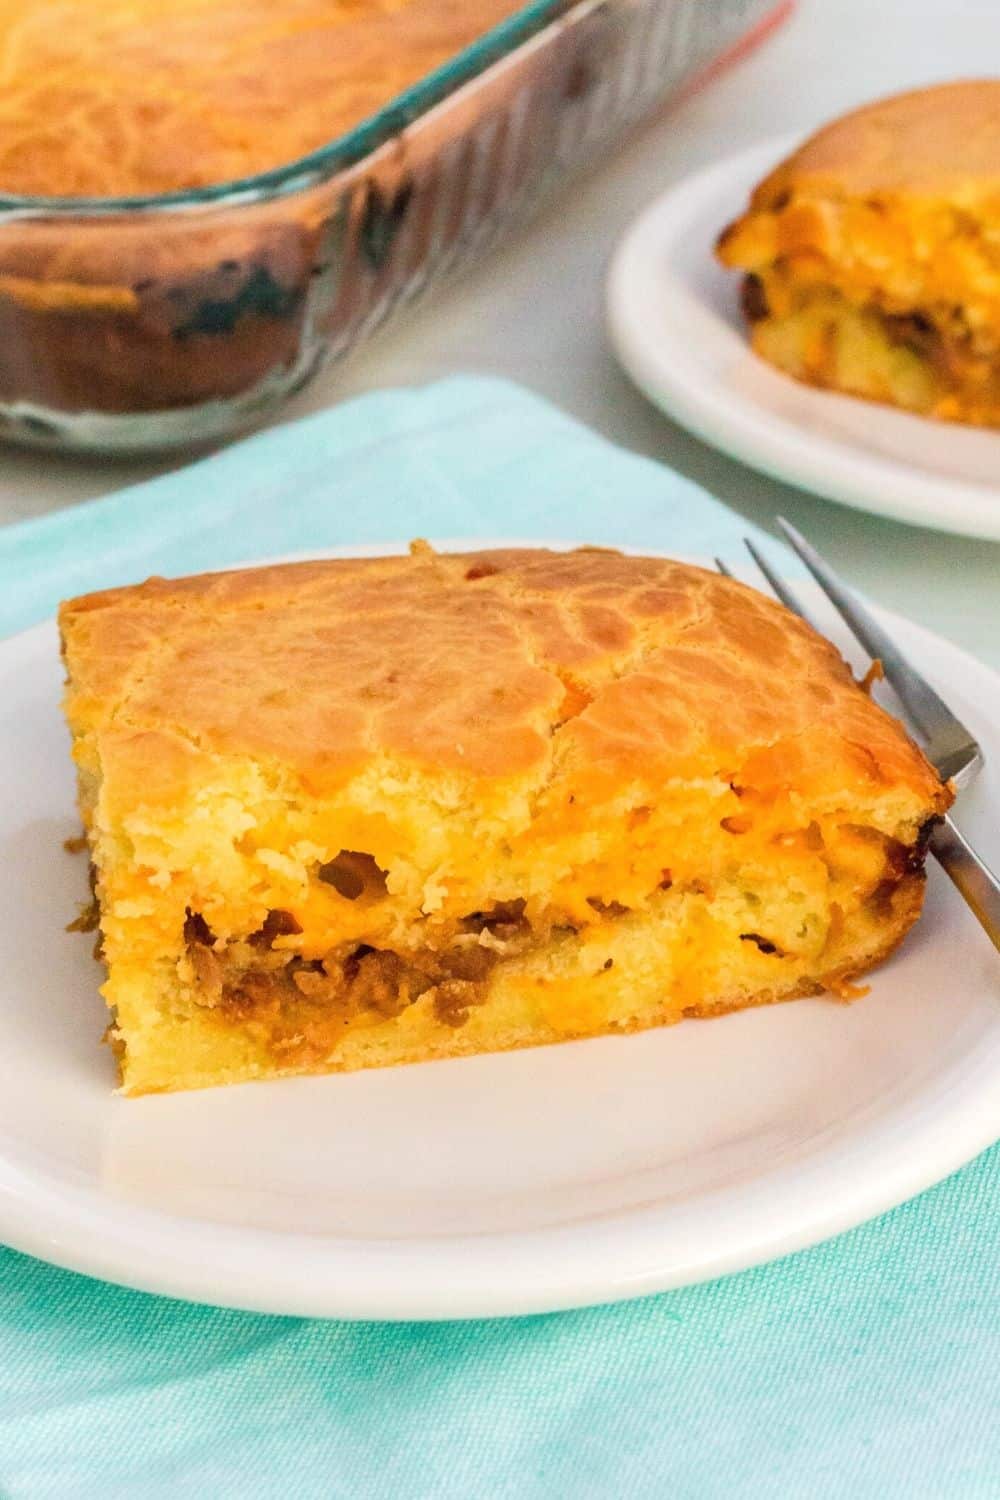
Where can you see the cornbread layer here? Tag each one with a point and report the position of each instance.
(351, 813)
(872, 254)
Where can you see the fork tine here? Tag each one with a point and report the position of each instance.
(931, 716)
(721, 566)
(778, 584)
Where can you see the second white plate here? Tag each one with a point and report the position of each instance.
(674, 320)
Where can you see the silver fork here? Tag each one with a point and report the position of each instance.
(946, 742)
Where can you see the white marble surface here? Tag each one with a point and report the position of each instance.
(533, 312)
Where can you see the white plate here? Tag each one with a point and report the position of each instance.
(675, 323)
(557, 1177)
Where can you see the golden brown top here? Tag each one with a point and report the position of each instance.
(942, 141)
(485, 667)
(115, 97)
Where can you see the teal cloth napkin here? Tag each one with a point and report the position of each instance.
(468, 457)
(867, 1367)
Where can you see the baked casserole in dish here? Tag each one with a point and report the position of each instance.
(200, 203)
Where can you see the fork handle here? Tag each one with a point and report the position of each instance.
(979, 887)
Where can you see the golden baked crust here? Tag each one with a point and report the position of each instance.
(120, 97)
(937, 142)
(675, 671)
(871, 254)
(355, 812)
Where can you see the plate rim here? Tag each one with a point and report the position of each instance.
(893, 490)
(84, 1230)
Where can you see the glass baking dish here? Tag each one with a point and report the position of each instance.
(142, 323)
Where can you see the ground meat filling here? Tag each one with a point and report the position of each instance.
(753, 298)
(915, 331)
(88, 918)
(956, 351)
(295, 1003)
(251, 981)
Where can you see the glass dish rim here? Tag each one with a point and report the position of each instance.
(325, 161)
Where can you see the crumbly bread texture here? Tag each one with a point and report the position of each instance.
(119, 97)
(352, 813)
(872, 255)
